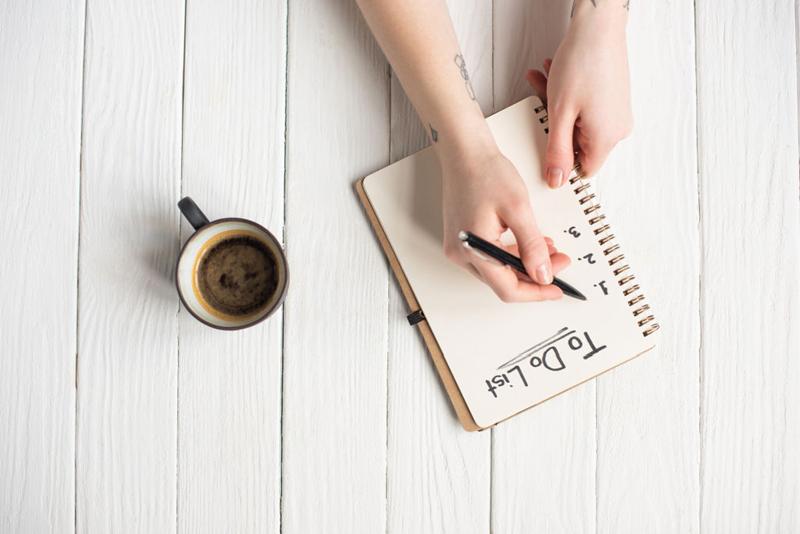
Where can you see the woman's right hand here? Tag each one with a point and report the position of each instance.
(483, 193)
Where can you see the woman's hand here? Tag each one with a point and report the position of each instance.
(483, 193)
(586, 88)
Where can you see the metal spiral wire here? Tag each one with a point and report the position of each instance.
(631, 291)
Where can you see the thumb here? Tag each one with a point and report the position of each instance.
(560, 155)
(533, 248)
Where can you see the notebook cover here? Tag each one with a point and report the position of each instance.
(508, 123)
(439, 361)
(449, 383)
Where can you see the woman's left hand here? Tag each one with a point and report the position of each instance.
(587, 90)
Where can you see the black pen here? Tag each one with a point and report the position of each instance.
(506, 258)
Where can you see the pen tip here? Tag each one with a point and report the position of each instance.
(462, 235)
(576, 294)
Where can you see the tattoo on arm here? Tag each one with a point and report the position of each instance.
(434, 133)
(626, 5)
(462, 67)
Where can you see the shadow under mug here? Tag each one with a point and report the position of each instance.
(207, 234)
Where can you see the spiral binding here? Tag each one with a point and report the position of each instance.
(631, 291)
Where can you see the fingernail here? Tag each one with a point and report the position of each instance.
(544, 275)
(554, 176)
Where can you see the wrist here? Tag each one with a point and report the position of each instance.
(606, 17)
(465, 140)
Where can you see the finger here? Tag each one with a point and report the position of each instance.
(551, 248)
(558, 260)
(531, 242)
(525, 291)
(478, 257)
(559, 157)
(547, 64)
(538, 82)
(500, 278)
(509, 288)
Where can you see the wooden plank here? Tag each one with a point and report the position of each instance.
(229, 383)
(525, 33)
(127, 366)
(647, 411)
(40, 106)
(334, 417)
(544, 459)
(751, 238)
(430, 457)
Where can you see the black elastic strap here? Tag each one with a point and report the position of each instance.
(415, 317)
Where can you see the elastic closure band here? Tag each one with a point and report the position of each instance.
(415, 317)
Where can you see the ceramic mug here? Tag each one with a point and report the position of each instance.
(206, 236)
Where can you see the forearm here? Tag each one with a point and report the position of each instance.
(601, 15)
(417, 37)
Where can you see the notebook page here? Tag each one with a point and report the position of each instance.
(508, 357)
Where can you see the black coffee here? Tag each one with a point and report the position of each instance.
(238, 275)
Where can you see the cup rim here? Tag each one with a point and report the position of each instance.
(282, 259)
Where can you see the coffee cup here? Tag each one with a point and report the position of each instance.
(231, 273)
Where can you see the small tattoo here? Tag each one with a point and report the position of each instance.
(627, 5)
(462, 67)
(594, 4)
(434, 133)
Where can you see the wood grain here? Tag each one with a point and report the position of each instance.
(430, 458)
(127, 366)
(750, 291)
(544, 459)
(230, 382)
(647, 411)
(41, 50)
(698, 437)
(525, 33)
(334, 417)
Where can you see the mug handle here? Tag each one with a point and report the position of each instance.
(192, 213)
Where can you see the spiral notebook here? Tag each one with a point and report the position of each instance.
(496, 360)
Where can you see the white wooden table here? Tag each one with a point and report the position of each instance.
(121, 413)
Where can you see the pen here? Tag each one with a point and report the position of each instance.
(470, 239)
